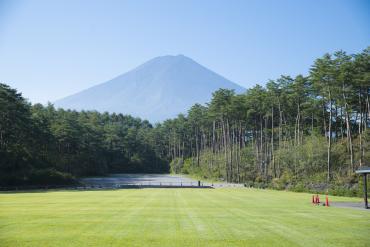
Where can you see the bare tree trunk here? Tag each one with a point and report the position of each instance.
(197, 146)
(295, 131)
(348, 127)
(231, 151)
(336, 121)
(367, 112)
(229, 148)
(280, 133)
(329, 137)
(349, 139)
(299, 122)
(261, 148)
(183, 149)
(341, 123)
(225, 151)
(213, 143)
(324, 119)
(360, 126)
(312, 121)
(272, 142)
(266, 159)
(239, 143)
(368, 107)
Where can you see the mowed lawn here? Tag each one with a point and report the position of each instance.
(177, 217)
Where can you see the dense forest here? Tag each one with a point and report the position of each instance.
(42, 145)
(306, 132)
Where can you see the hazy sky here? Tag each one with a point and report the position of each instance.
(50, 49)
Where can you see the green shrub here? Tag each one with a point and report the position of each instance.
(50, 177)
(176, 165)
(299, 187)
(42, 177)
(187, 167)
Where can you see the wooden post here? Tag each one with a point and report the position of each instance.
(365, 191)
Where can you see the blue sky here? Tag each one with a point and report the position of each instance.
(50, 49)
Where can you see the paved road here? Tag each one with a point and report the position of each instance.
(355, 205)
(140, 179)
(115, 180)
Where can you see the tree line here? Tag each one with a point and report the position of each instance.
(43, 145)
(312, 128)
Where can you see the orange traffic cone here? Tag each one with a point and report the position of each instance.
(327, 201)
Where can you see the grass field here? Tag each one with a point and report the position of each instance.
(177, 217)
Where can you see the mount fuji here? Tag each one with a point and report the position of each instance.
(157, 90)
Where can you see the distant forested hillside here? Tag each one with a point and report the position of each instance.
(306, 132)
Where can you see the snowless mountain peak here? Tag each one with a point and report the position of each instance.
(161, 88)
